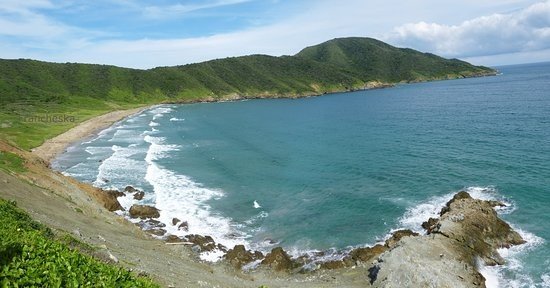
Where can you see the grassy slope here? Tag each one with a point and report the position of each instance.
(30, 88)
(30, 255)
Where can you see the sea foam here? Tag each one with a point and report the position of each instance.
(177, 196)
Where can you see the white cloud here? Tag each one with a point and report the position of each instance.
(43, 37)
(521, 31)
(167, 11)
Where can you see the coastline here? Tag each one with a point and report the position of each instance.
(57, 145)
(104, 121)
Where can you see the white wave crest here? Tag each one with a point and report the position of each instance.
(177, 196)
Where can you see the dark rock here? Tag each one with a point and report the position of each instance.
(130, 189)
(139, 195)
(143, 211)
(205, 243)
(174, 239)
(150, 224)
(430, 225)
(114, 193)
(397, 235)
(373, 273)
(156, 231)
(239, 256)
(278, 260)
(494, 203)
(366, 254)
(184, 226)
(175, 221)
(109, 199)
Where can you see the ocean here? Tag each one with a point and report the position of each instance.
(341, 170)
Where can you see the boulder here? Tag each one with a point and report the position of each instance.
(130, 189)
(139, 195)
(239, 256)
(184, 226)
(175, 221)
(148, 224)
(205, 243)
(144, 211)
(278, 260)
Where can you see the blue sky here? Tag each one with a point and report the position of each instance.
(146, 34)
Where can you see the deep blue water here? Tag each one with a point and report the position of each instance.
(343, 169)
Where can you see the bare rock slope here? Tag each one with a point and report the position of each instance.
(467, 234)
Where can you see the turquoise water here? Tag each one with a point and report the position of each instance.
(341, 170)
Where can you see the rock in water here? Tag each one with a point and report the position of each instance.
(139, 195)
(130, 189)
(278, 260)
(184, 226)
(205, 243)
(144, 211)
(468, 229)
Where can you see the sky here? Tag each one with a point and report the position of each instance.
(146, 34)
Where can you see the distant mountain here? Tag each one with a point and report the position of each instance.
(372, 60)
(337, 65)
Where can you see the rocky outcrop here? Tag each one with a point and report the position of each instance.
(467, 229)
(138, 194)
(239, 256)
(475, 225)
(278, 260)
(367, 254)
(108, 198)
(204, 243)
(144, 211)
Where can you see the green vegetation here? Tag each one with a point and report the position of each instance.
(31, 257)
(11, 162)
(29, 88)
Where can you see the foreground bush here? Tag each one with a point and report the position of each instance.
(31, 257)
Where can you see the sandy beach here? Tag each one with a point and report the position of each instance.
(55, 146)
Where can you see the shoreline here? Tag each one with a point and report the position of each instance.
(93, 125)
(55, 146)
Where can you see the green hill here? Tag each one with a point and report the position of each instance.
(373, 60)
(29, 87)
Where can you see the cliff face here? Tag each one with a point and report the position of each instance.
(467, 234)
